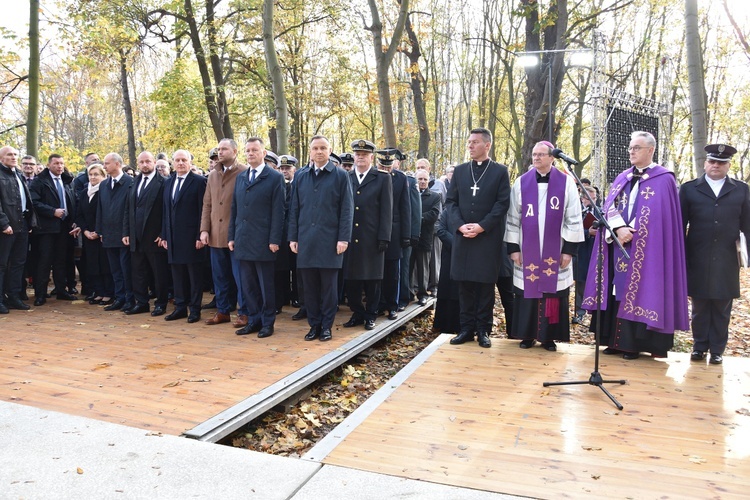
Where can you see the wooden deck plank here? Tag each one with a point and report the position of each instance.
(143, 371)
(482, 419)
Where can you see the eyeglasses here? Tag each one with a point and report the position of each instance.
(635, 149)
(29, 164)
(539, 155)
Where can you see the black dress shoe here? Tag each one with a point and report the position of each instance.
(66, 296)
(91, 296)
(94, 301)
(392, 315)
(278, 311)
(301, 314)
(716, 359)
(194, 317)
(550, 345)
(611, 350)
(138, 309)
(483, 339)
(249, 328)
(462, 338)
(295, 303)
(115, 306)
(422, 301)
(325, 335)
(698, 356)
(401, 308)
(631, 355)
(15, 303)
(210, 305)
(264, 332)
(527, 343)
(106, 302)
(127, 307)
(3, 309)
(158, 311)
(176, 314)
(313, 334)
(40, 301)
(369, 324)
(353, 321)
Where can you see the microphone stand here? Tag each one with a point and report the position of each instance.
(596, 378)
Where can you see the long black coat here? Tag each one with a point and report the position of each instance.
(320, 215)
(478, 259)
(181, 226)
(46, 201)
(401, 227)
(109, 216)
(144, 214)
(431, 202)
(85, 218)
(712, 227)
(373, 222)
(257, 218)
(416, 207)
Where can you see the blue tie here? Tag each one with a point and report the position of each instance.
(60, 192)
(252, 176)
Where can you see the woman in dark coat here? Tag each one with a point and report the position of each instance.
(447, 309)
(97, 265)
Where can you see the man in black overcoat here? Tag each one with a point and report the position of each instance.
(371, 234)
(183, 206)
(256, 230)
(715, 208)
(109, 225)
(421, 256)
(478, 201)
(16, 218)
(320, 229)
(400, 233)
(54, 203)
(141, 233)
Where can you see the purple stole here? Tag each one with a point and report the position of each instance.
(541, 261)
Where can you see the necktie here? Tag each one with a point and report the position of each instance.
(60, 192)
(361, 176)
(177, 190)
(143, 186)
(317, 171)
(252, 176)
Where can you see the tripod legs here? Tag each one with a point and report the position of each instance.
(594, 379)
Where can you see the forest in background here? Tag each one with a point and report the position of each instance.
(133, 75)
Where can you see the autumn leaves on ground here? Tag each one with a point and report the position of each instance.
(334, 397)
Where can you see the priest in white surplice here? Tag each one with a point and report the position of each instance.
(543, 230)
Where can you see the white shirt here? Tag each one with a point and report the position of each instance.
(178, 183)
(258, 170)
(716, 185)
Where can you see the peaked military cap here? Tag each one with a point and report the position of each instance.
(363, 145)
(271, 158)
(719, 152)
(287, 161)
(347, 159)
(213, 154)
(335, 159)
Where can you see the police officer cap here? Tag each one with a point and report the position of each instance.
(335, 159)
(719, 152)
(271, 158)
(394, 152)
(385, 160)
(347, 159)
(213, 154)
(287, 161)
(363, 145)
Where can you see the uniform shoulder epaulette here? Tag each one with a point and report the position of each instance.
(383, 171)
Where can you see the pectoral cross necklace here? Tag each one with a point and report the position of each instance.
(475, 188)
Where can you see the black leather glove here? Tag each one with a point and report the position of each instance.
(414, 242)
(405, 243)
(382, 246)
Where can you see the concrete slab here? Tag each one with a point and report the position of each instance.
(52, 455)
(333, 482)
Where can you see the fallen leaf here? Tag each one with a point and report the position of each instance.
(172, 384)
(697, 460)
(79, 470)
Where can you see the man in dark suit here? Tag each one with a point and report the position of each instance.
(256, 228)
(113, 194)
(286, 261)
(478, 202)
(371, 235)
(421, 253)
(54, 204)
(715, 208)
(401, 232)
(144, 209)
(320, 228)
(16, 218)
(183, 205)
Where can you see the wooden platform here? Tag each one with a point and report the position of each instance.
(480, 418)
(143, 371)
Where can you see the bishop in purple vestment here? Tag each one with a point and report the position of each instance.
(644, 298)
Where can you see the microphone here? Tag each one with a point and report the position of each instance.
(557, 153)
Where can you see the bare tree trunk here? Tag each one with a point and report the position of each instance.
(697, 85)
(32, 118)
(127, 108)
(383, 59)
(416, 80)
(216, 69)
(277, 80)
